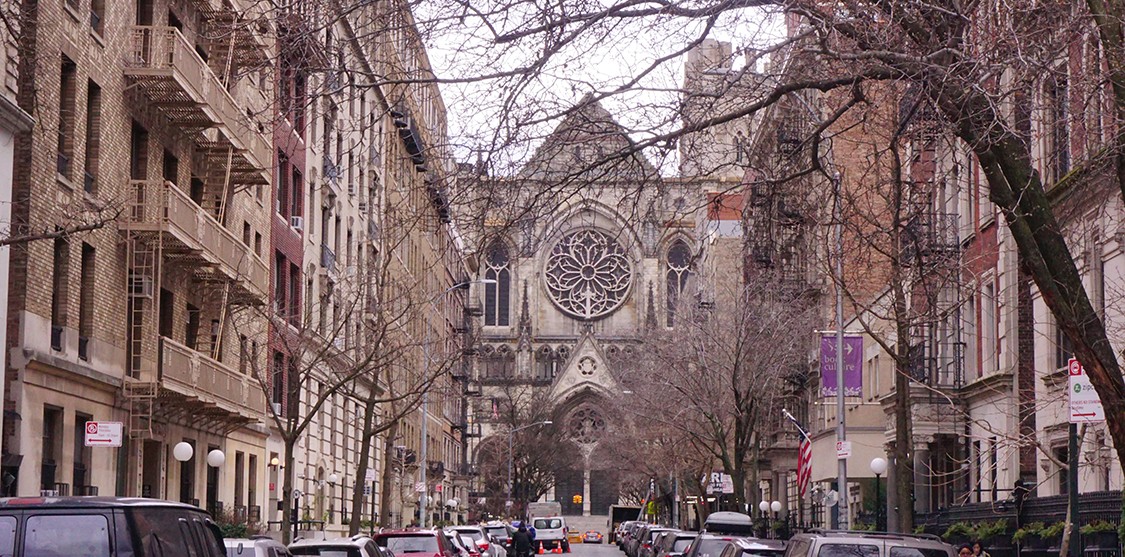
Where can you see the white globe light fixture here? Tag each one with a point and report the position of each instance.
(879, 466)
(451, 503)
(182, 451)
(333, 478)
(216, 458)
(775, 506)
(764, 506)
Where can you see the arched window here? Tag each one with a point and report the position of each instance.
(497, 295)
(679, 269)
(545, 362)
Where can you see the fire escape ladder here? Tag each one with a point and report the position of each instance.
(141, 399)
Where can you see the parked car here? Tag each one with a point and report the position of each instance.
(355, 546)
(592, 536)
(828, 543)
(482, 540)
(673, 543)
(628, 544)
(432, 543)
(754, 547)
(710, 545)
(257, 546)
(501, 533)
(648, 536)
(626, 530)
(464, 544)
(550, 532)
(106, 527)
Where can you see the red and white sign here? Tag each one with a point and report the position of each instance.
(1085, 406)
(843, 449)
(103, 434)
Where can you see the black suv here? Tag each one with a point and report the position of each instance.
(105, 527)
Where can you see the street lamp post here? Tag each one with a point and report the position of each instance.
(422, 498)
(508, 504)
(879, 467)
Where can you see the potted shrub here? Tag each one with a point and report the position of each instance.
(993, 534)
(1029, 537)
(1052, 535)
(958, 532)
(1101, 534)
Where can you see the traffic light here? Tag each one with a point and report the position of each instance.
(577, 499)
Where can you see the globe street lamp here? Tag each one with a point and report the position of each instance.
(508, 504)
(879, 467)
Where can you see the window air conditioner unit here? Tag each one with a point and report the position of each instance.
(298, 223)
(276, 408)
(140, 286)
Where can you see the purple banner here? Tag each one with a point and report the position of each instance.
(853, 366)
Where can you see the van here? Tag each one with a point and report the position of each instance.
(834, 543)
(105, 527)
(550, 532)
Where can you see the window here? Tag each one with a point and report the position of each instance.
(1058, 134)
(258, 244)
(50, 535)
(191, 328)
(296, 187)
(97, 15)
(93, 136)
(497, 294)
(847, 550)
(281, 204)
(1062, 454)
(61, 280)
(679, 269)
(7, 535)
(188, 476)
(280, 270)
(138, 154)
(917, 552)
(277, 390)
(989, 328)
(83, 455)
(294, 295)
(52, 446)
(1064, 348)
(86, 301)
(67, 92)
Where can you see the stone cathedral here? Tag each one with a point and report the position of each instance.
(582, 251)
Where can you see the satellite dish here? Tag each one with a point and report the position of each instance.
(831, 498)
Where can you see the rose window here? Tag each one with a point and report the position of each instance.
(587, 425)
(588, 274)
(587, 366)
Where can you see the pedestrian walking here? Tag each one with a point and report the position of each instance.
(978, 550)
(521, 542)
(964, 550)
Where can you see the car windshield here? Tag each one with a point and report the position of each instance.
(498, 531)
(467, 540)
(712, 548)
(917, 552)
(763, 552)
(474, 535)
(550, 523)
(408, 544)
(326, 551)
(848, 550)
(681, 544)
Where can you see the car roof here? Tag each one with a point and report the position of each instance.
(356, 541)
(758, 543)
(388, 533)
(894, 538)
(91, 503)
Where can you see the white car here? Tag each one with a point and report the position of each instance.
(483, 541)
(550, 532)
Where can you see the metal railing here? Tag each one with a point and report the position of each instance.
(161, 206)
(163, 51)
(186, 371)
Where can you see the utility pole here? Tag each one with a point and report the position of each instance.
(841, 431)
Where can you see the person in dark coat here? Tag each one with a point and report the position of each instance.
(521, 542)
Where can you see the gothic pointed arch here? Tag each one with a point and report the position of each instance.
(677, 270)
(498, 284)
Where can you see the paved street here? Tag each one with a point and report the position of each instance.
(595, 550)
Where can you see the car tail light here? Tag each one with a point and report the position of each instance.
(483, 545)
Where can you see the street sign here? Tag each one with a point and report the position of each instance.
(843, 449)
(103, 434)
(419, 487)
(437, 488)
(719, 483)
(369, 476)
(1085, 406)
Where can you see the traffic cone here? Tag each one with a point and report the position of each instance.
(541, 549)
(558, 549)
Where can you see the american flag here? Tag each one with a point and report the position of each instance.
(804, 464)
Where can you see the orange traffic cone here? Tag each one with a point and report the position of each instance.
(558, 549)
(541, 549)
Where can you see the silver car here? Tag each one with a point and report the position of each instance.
(484, 543)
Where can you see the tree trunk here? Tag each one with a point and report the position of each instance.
(363, 458)
(287, 492)
(388, 477)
